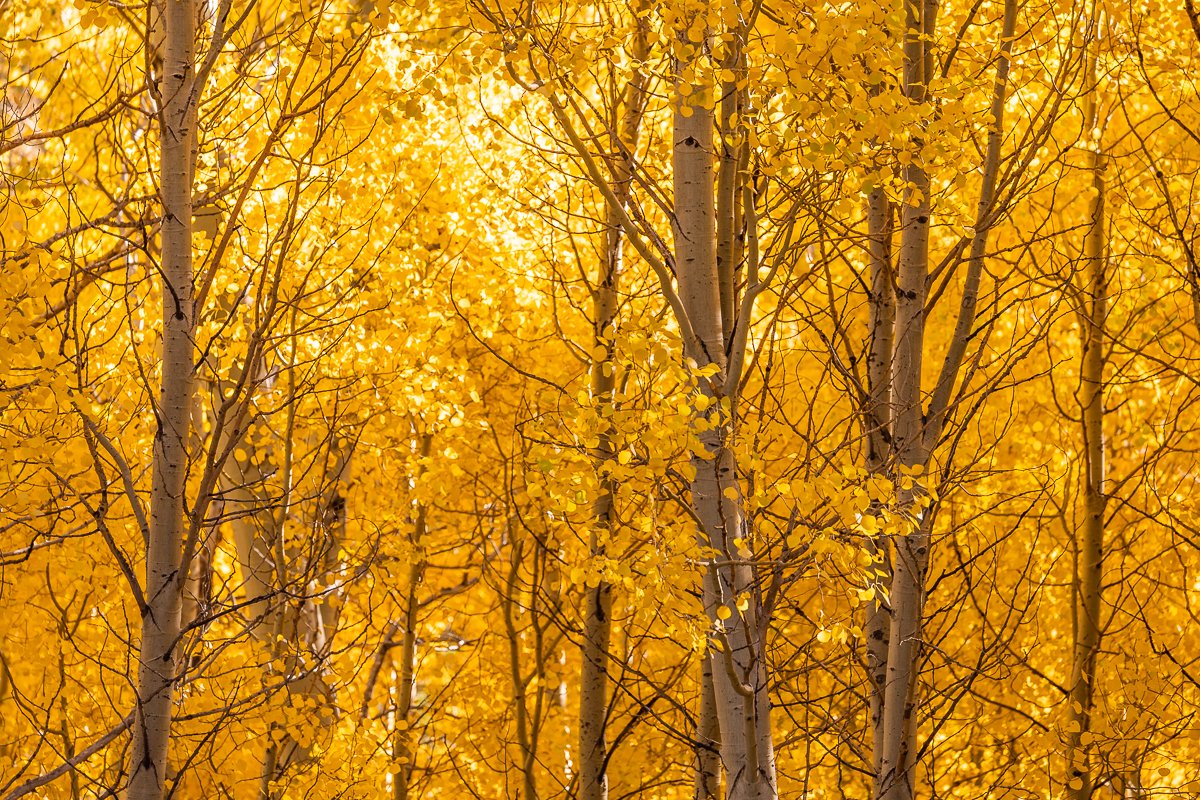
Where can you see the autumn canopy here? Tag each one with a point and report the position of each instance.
(549, 399)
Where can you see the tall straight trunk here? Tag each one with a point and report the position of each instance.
(257, 537)
(517, 677)
(597, 602)
(403, 749)
(914, 434)
(740, 686)
(1089, 550)
(707, 776)
(877, 421)
(164, 570)
(895, 756)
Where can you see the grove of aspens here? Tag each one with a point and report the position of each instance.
(600, 400)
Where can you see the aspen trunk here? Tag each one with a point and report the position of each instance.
(403, 746)
(707, 778)
(915, 435)
(197, 592)
(597, 606)
(597, 601)
(895, 754)
(164, 570)
(739, 669)
(265, 561)
(403, 749)
(877, 421)
(257, 540)
(332, 529)
(1089, 568)
(731, 169)
(525, 727)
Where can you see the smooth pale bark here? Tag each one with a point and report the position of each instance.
(877, 421)
(731, 169)
(740, 687)
(151, 733)
(403, 747)
(313, 624)
(896, 734)
(327, 611)
(597, 601)
(258, 541)
(914, 434)
(985, 218)
(258, 519)
(707, 767)
(1089, 549)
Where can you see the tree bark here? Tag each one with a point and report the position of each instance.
(877, 421)
(707, 778)
(164, 570)
(403, 749)
(740, 687)
(1089, 556)
(895, 757)
(597, 601)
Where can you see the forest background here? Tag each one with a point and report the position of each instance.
(553, 399)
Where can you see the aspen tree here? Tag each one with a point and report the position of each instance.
(178, 97)
(739, 669)
(597, 606)
(894, 778)
(915, 429)
(403, 747)
(1087, 583)
(876, 416)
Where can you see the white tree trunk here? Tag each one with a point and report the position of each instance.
(164, 570)
(740, 687)
(403, 745)
(895, 758)
(877, 422)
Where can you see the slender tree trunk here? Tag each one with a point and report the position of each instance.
(1089, 568)
(877, 421)
(707, 778)
(164, 570)
(731, 171)
(525, 733)
(197, 591)
(895, 758)
(597, 605)
(739, 670)
(597, 601)
(403, 747)
(915, 435)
